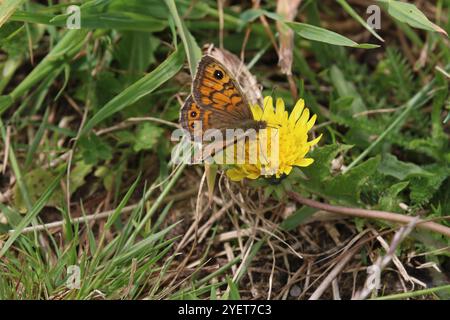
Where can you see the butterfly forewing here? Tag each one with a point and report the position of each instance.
(216, 102)
(214, 89)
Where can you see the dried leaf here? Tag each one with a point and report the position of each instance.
(286, 9)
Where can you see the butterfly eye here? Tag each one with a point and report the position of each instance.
(193, 114)
(218, 74)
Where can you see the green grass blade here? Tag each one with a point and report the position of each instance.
(193, 51)
(139, 89)
(348, 8)
(122, 204)
(314, 33)
(64, 51)
(31, 214)
(416, 293)
(7, 8)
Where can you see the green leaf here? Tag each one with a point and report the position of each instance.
(115, 20)
(321, 168)
(346, 89)
(391, 166)
(251, 15)
(139, 89)
(408, 13)
(80, 170)
(315, 33)
(36, 182)
(423, 188)
(308, 31)
(147, 136)
(135, 52)
(389, 200)
(94, 149)
(346, 187)
(54, 61)
(122, 204)
(5, 102)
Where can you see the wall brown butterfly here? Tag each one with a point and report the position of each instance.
(217, 101)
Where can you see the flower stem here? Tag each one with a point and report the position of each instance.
(370, 214)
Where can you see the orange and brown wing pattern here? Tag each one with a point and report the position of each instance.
(191, 115)
(214, 89)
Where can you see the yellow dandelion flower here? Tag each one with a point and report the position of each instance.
(291, 132)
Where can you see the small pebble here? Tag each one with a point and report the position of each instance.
(295, 291)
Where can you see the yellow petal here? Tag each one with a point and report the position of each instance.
(287, 170)
(292, 135)
(280, 108)
(311, 122)
(315, 141)
(304, 118)
(303, 151)
(295, 114)
(268, 112)
(267, 103)
(235, 174)
(304, 162)
(257, 112)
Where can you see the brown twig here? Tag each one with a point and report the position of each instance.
(371, 214)
(221, 23)
(382, 262)
(334, 273)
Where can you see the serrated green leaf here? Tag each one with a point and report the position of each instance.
(424, 188)
(321, 168)
(346, 187)
(94, 149)
(147, 136)
(389, 200)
